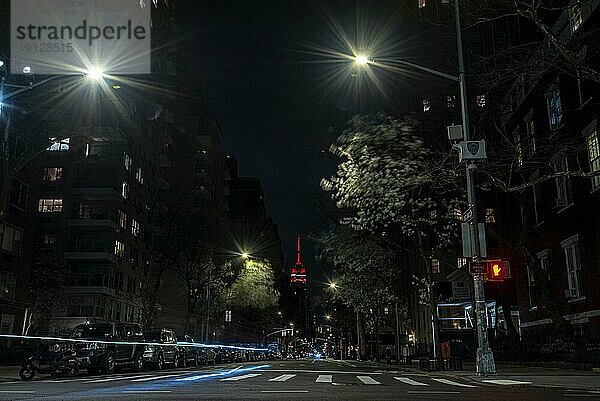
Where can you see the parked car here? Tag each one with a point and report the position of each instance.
(188, 355)
(163, 350)
(107, 357)
(208, 355)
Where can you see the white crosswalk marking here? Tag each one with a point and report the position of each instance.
(281, 378)
(236, 378)
(367, 380)
(324, 379)
(505, 382)
(411, 382)
(451, 383)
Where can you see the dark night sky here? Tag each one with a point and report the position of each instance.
(274, 114)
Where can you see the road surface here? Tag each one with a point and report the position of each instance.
(281, 380)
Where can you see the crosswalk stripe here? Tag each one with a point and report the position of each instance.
(281, 378)
(324, 379)
(406, 380)
(451, 383)
(236, 378)
(505, 382)
(367, 380)
(110, 379)
(145, 379)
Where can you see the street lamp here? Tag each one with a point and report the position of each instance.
(27, 70)
(485, 356)
(332, 286)
(361, 59)
(95, 73)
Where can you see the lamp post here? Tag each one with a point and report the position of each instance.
(485, 357)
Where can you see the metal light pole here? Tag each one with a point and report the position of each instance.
(485, 357)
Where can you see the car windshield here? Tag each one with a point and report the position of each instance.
(94, 331)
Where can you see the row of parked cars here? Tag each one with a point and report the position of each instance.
(122, 345)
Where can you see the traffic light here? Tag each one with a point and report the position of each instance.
(497, 270)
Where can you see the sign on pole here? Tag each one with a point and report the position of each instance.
(70, 37)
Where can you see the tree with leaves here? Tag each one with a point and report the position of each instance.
(392, 183)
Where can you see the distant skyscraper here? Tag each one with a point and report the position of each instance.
(299, 270)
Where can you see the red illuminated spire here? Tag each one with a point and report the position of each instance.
(298, 262)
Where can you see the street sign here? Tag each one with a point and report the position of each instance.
(478, 267)
(468, 215)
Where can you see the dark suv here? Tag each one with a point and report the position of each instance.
(164, 349)
(106, 357)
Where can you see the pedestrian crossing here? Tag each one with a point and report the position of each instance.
(298, 377)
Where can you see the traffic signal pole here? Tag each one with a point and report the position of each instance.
(485, 357)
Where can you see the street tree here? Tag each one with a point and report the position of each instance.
(392, 182)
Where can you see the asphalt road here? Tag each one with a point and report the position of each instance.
(278, 380)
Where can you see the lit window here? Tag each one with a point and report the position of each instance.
(480, 100)
(122, 219)
(421, 3)
(435, 266)
(457, 214)
(135, 227)
(575, 16)
(593, 146)
(127, 161)
(426, 105)
(490, 216)
(563, 182)
(49, 238)
(59, 145)
(49, 205)
(433, 214)
(518, 148)
(53, 174)
(451, 101)
(139, 176)
(119, 249)
(554, 106)
(571, 249)
(461, 262)
(125, 190)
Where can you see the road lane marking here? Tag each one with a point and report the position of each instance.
(236, 378)
(411, 382)
(110, 379)
(281, 378)
(505, 382)
(17, 391)
(431, 392)
(144, 379)
(367, 380)
(320, 371)
(451, 383)
(284, 391)
(145, 391)
(324, 379)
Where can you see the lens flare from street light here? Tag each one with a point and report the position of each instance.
(245, 255)
(95, 73)
(361, 59)
(1, 63)
(26, 70)
(333, 286)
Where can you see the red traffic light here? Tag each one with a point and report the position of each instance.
(497, 270)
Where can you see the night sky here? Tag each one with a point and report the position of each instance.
(267, 91)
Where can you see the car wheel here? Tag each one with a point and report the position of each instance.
(159, 362)
(26, 373)
(138, 363)
(109, 363)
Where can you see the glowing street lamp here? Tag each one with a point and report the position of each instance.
(95, 73)
(27, 70)
(361, 60)
(333, 286)
(245, 255)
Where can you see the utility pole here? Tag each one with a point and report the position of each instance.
(485, 357)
